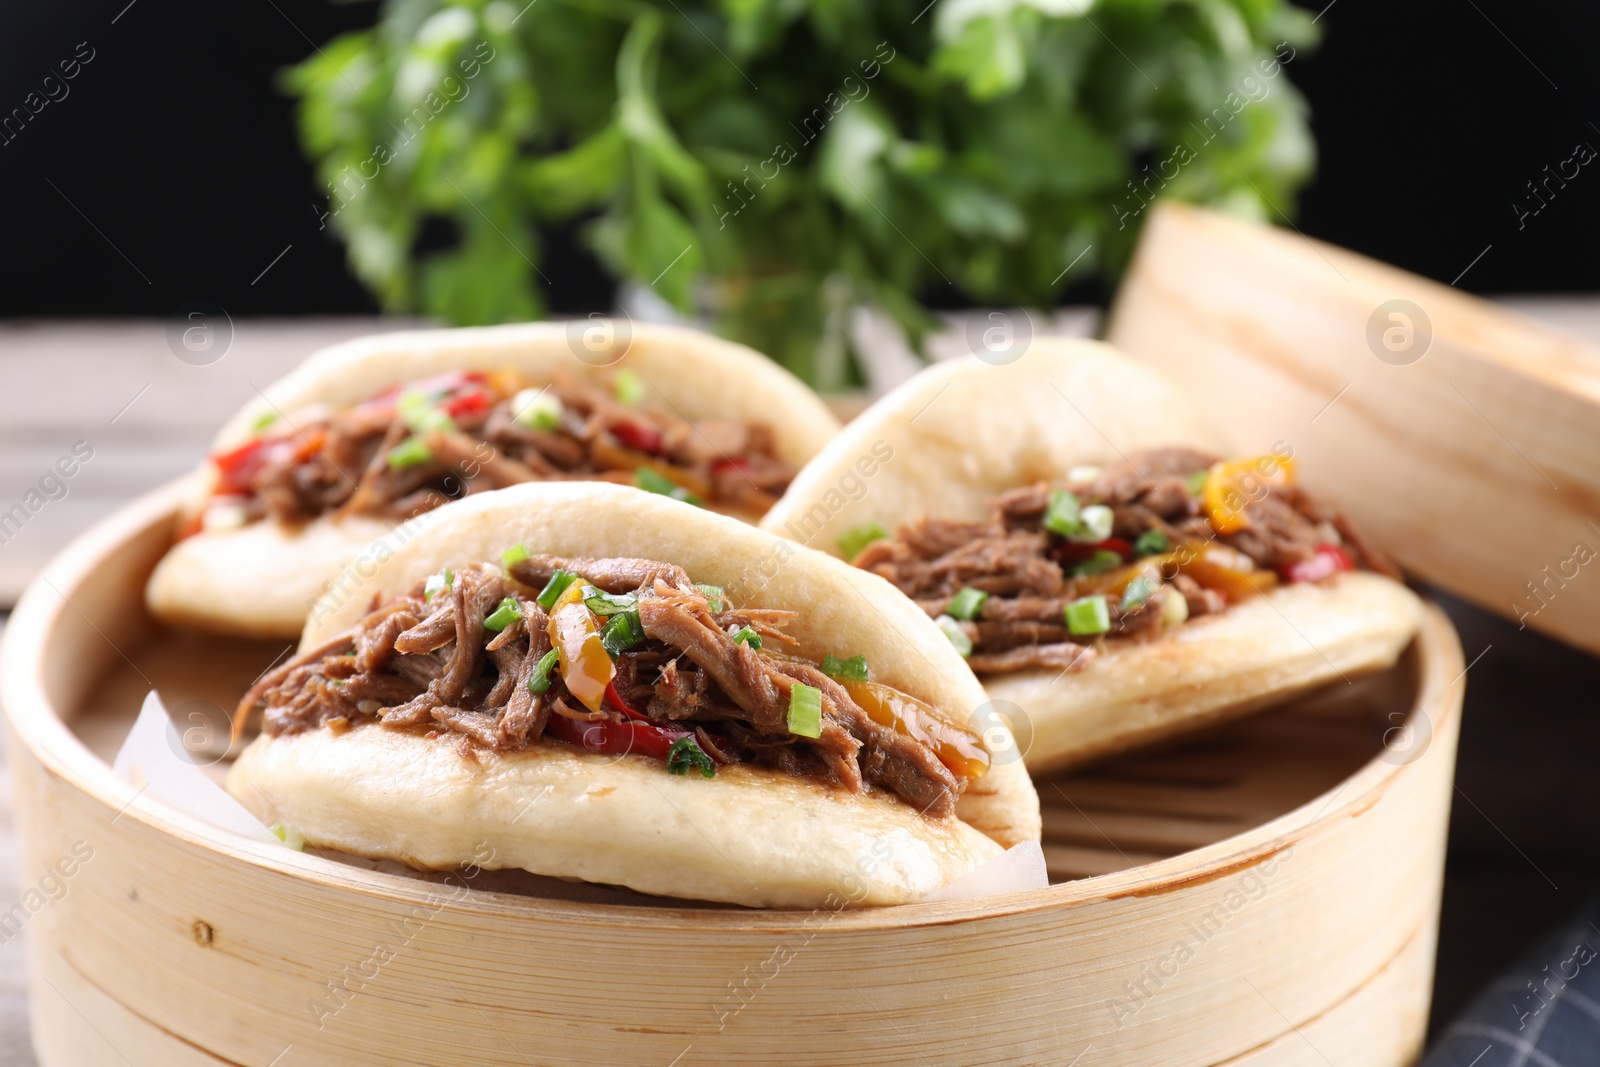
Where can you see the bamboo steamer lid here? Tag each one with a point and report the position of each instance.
(1462, 437)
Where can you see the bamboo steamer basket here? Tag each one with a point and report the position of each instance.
(1296, 859)
(1460, 435)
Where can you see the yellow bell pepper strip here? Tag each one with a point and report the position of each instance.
(961, 750)
(586, 666)
(1227, 570)
(1232, 486)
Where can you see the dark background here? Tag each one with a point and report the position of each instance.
(175, 145)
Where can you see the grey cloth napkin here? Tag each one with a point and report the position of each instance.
(1543, 1012)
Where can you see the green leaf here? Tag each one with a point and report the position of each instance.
(585, 176)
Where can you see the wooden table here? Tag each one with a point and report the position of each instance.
(1521, 850)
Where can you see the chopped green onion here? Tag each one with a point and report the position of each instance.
(554, 588)
(1102, 561)
(536, 409)
(712, 593)
(436, 420)
(1094, 524)
(966, 604)
(437, 583)
(622, 633)
(263, 420)
(958, 637)
(747, 636)
(1089, 615)
(1197, 482)
(629, 386)
(514, 555)
(289, 836)
(1151, 543)
(805, 710)
(540, 682)
(412, 405)
(686, 753)
(603, 603)
(858, 537)
(412, 452)
(853, 669)
(1174, 608)
(655, 482)
(507, 613)
(1064, 514)
(1138, 591)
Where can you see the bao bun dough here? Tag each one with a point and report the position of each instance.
(748, 836)
(964, 431)
(259, 580)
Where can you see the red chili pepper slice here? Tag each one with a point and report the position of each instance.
(638, 436)
(622, 705)
(616, 738)
(236, 467)
(1328, 561)
(744, 466)
(466, 404)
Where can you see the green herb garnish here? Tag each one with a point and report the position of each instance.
(1090, 615)
(554, 588)
(966, 604)
(437, 583)
(411, 405)
(622, 633)
(686, 753)
(263, 420)
(713, 595)
(412, 452)
(536, 409)
(540, 681)
(655, 482)
(507, 613)
(957, 636)
(513, 555)
(805, 710)
(630, 388)
(1063, 515)
(853, 669)
(606, 604)
(747, 636)
(289, 836)
(1138, 592)
(1197, 482)
(1102, 561)
(858, 537)
(1151, 543)
(1095, 524)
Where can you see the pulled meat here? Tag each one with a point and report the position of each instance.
(342, 463)
(1031, 574)
(432, 665)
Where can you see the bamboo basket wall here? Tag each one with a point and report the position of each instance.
(1459, 435)
(1296, 862)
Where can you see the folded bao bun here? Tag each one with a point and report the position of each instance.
(749, 835)
(260, 579)
(951, 440)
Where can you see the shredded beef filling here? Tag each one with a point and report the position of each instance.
(344, 463)
(1031, 574)
(431, 664)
